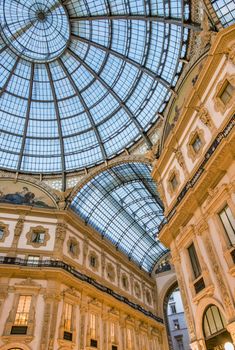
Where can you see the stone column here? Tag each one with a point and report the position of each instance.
(136, 331)
(17, 233)
(231, 330)
(185, 299)
(50, 320)
(223, 288)
(105, 333)
(4, 282)
(198, 345)
(84, 324)
(60, 234)
(122, 336)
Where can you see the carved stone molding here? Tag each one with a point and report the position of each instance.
(223, 288)
(191, 152)
(110, 270)
(73, 247)
(173, 172)
(219, 105)
(231, 330)
(180, 159)
(198, 345)
(186, 302)
(92, 255)
(36, 230)
(125, 281)
(137, 289)
(207, 34)
(205, 118)
(230, 53)
(60, 234)
(5, 231)
(18, 230)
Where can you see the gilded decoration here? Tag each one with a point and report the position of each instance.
(197, 133)
(205, 117)
(93, 260)
(38, 236)
(4, 231)
(73, 247)
(230, 52)
(110, 270)
(219, 104)
(174, 173)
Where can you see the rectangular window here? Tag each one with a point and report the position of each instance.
(38, 237)
(180, 345)
(22, 313)
(194, 261)
(228, 222)
(176, 324)
(197, 144)
(174, 182)
(1, 233)
(173, 308)
(68, 317)
(227, 92)
(94, 343)
(32, 260)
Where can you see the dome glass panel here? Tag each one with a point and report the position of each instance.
(123, 205)
(81, 81)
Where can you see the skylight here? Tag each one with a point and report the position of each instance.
(123, 205)
(83, 80)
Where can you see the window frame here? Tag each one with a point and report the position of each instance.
(37, 230)
(224, 227)
(195, 264)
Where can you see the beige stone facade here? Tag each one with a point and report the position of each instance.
(205, 188)
(52, 276)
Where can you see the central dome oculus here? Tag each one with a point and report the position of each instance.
(38, 31)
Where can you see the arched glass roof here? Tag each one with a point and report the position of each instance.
(225, 10)
(83, 80)
(123, 205)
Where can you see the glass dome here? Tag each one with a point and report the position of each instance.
(81, 81)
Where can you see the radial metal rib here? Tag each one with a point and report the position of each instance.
(26, 118)
(125, 59)
(176, 21)
(59, 125)
(3, 89)
(85, 108)
(113, 93)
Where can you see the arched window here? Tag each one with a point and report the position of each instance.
(213, 321)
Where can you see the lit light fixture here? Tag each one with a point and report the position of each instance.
(228, 346)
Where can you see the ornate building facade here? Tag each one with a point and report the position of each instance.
(196, 170)
(116, 173)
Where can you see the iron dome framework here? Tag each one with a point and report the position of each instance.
(123, 205)
(83, 80)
